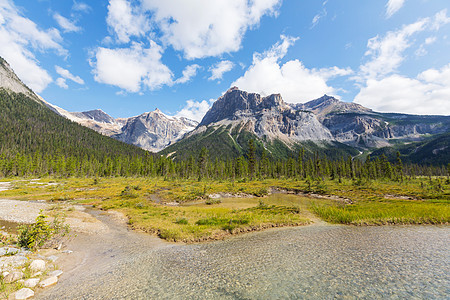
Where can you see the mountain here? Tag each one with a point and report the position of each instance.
(151, 131)
(93, 119)
(34, 140)
(277, 127)
(434, 150)
(154, 130)
(358, 126)
(325, 125)
(9, 81)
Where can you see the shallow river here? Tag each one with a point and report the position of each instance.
(312, 262)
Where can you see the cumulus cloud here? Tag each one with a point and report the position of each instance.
(126, 21)
(207, 28)
(219, 69)
(19, 37)
(385, 90)
(188, 73)
(67, 75)
(61, 82)
(386, 53)
(428, 93)
(66, 24)
(131, 69)
(293, 80)
(195, 110)
(393, 6)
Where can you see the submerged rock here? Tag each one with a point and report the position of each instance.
(31, 283)
(48, 282)
(24, 293)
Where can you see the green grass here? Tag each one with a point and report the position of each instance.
(149, 202)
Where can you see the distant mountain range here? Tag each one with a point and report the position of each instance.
(325, 125)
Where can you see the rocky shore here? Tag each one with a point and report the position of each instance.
(27, 272)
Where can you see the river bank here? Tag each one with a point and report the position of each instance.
(317, 261)
(311, 262)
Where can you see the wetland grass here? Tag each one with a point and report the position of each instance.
(180, 210)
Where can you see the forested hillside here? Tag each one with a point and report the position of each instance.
(35, 140)
(432, 151)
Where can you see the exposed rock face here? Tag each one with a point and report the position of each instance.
(267, 117)
(154, 130)
(10, 81)
(356, 125)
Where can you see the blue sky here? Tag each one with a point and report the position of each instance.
(132, 56)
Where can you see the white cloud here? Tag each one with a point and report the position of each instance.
(293, 80)
(195, 110)
(385, 90)
(219, 69)
(440, 19)
(61, 82)
(207, 28)
(131, 69)
(386, 54)
(67, 75)
(188, 73)
(81, 6)
(428, 93)
(126, 21)
(19, 37)
(320, 15)
(66, 24)
(430, 40)
(393, 6)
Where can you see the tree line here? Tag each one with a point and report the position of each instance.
(35, 141)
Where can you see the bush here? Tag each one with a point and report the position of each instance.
(42, 233)
(212, 201)
(182, 221)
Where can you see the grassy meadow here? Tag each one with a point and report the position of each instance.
(182, 210)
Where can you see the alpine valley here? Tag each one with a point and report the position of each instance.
(324, 125)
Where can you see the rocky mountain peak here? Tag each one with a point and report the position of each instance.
(97, 115)
(328, 104)
(235, 102)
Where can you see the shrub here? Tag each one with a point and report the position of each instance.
(212, 201)
(182, 221)
(42, 233)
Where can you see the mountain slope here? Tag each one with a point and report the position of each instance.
(431, 151)
(357, 126)
(36, 141)
(154, 130)
(151, 131)
(238, 116)
(321, 125)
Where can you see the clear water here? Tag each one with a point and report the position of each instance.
(314, 262)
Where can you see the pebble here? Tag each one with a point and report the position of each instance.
(48, 282)
(67, 251)
(13, 277)
(56, 273)
(31, 283)
(37, 265)
(24, 293)
(52, 258)
(36, 274)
